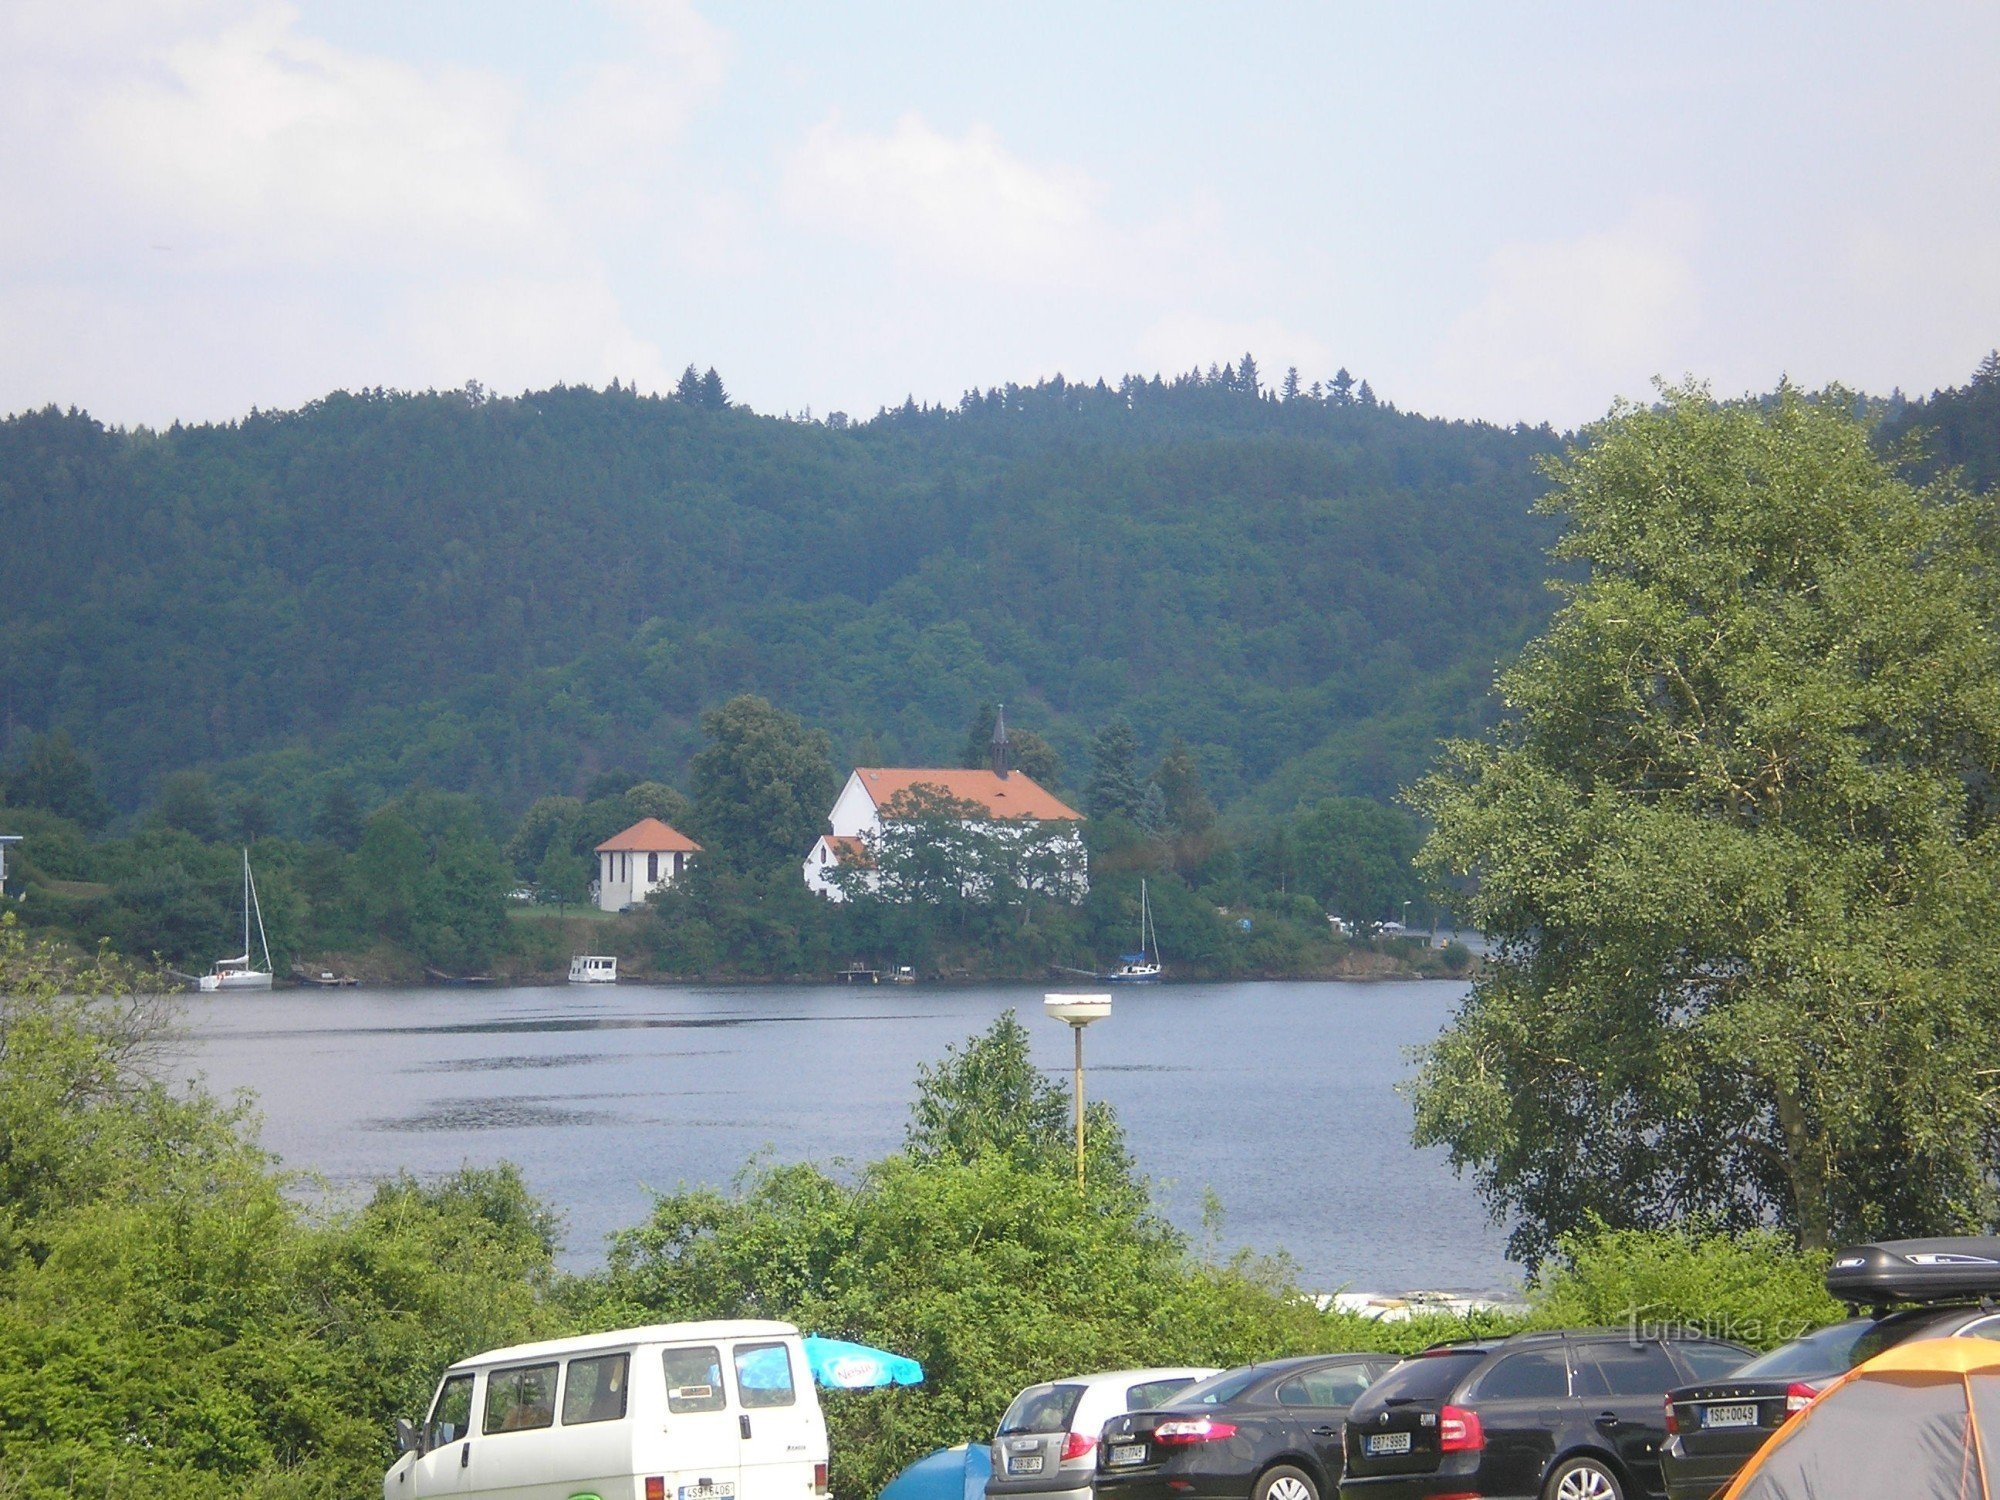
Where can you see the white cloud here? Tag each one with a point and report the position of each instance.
(205, 188)
(1563, 326)
(960, 205)
(265, 144)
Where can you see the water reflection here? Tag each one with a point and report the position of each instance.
(1281, 1097)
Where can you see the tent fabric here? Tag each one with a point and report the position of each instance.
(1921, 1420)
(949, 1474)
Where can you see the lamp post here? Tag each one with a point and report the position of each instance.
(1079, 1011)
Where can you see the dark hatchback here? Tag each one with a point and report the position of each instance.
(1262, 1432)
(1539, 1416)
(1713, 1427)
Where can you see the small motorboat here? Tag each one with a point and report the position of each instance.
(594, 968)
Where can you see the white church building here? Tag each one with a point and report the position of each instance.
(1004, 795)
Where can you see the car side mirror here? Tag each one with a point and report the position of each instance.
(409, 1437)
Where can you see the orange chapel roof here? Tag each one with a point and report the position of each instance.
(1010, 796)
(649, 836)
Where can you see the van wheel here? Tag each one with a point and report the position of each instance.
(1283, 1482)
(1582, 1479)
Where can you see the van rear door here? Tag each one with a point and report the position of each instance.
(783, 1435)
(700, 1447)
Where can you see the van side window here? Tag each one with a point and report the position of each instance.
(694, 1379)
(520, 1399)
(451, 1413)
(764, 1375)
(594, 1389)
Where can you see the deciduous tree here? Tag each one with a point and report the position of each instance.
(1735, 840)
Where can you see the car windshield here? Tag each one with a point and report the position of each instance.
(1218, 1389)
(1425, 1377)
(1831, 1351)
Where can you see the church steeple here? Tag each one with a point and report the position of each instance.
(1002, 760)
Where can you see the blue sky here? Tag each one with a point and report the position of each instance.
(1511, 212)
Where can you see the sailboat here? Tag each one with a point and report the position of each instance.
(236, 973)
(1138, 968)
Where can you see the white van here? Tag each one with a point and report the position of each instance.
(676, 1411)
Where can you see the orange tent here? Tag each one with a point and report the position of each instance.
(1918, 1421)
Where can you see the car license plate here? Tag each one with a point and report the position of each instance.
(1029, 1465)
(1126, 1453)
(1729, 1416)
(1388, 1442)
(707, 1490)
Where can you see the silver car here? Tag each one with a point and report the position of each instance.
(1047, 1443)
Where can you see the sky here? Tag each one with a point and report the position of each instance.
(1513, 212)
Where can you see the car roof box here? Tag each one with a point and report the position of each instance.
(1950, 1269)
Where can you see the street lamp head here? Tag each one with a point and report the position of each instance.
(1077, 1010)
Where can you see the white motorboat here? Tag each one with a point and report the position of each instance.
(594, 968)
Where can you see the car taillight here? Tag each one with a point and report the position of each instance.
(1195, 1430)
(1077, 1445)
(1799, 1395)
(819, 1479)
(656, 1487)
(1459, 1430)
(1673, 1422)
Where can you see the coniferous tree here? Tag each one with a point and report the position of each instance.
(713, 396)
(1342, 390)
(339, 819)
(1115, 789)
(979, 737)
(688, 388)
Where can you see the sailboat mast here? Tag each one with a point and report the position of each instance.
(250, 892)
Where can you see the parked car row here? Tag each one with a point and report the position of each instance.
(1579, 1414)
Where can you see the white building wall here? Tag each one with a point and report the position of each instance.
(854, 811)
(819, 864)
(622, 880)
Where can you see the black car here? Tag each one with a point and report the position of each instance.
(1262, 1432)
(1540, 1416)
(1714, 1427)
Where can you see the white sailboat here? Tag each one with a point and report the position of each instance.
(1137, 968)
(236, 973)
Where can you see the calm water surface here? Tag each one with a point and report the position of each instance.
(1279, 1097)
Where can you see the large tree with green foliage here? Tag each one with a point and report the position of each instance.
(763, 785)
(1735, 839)
(1354, 856)
(52, 774)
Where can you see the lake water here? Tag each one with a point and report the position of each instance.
(1280, 1097)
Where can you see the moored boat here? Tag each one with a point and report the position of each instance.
(594, 968)
(238, 973)
(1144, 966)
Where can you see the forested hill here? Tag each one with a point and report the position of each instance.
(506, 596)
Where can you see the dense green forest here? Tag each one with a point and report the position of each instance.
(507, 597)
(421, 651)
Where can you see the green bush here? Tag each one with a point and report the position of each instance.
(1753, 1288)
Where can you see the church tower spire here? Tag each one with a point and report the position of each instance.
(1002, 759)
